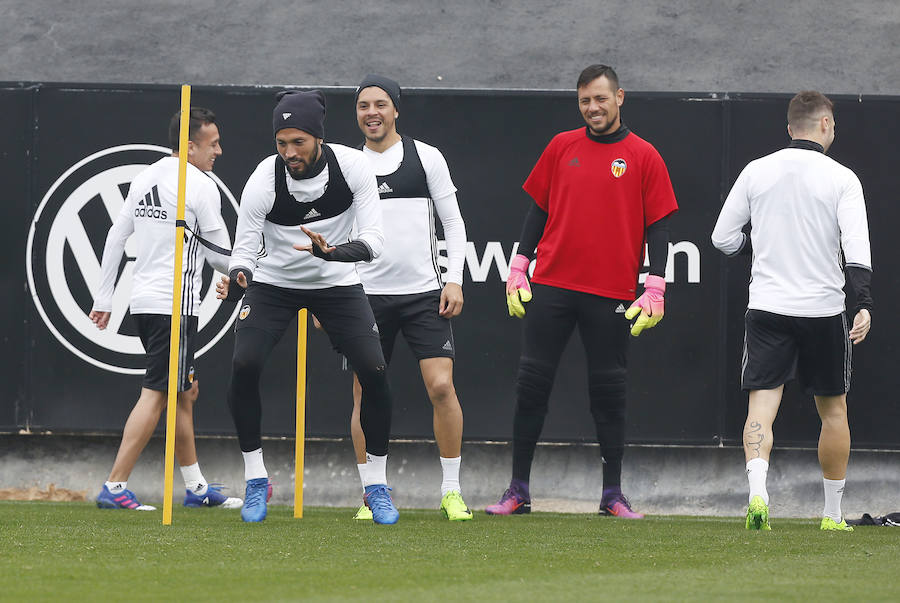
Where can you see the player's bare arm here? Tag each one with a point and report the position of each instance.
(315, 238)
(101, 319)
(223, 285)
(451, 300)
(350, 252)
(862, 322)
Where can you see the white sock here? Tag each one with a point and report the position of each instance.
(116, 487)
(193, 479)
(362, 474)
(757, 470)
(834, 491)
(450, 469)
(376, 470)
(253, 465)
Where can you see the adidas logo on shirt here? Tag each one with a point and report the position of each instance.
(312, 214)
(384, 189)
(620, 309)
(149, 206)
(574, 161)
(448, 346)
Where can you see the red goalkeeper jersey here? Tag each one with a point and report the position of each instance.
(599, 198)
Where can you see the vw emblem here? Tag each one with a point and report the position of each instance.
(65, 246)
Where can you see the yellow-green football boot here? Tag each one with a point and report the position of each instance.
(833, 526)
(454, 507)
(363, 514)
(758, 514)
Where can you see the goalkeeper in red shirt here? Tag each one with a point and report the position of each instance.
(600, 193)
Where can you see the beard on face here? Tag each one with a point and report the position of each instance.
(299, 170)
(610, 124)
(376, 138)
(304, 165)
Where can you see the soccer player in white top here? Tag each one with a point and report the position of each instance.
(321, 190)
(149, 214)
(809, 228)
(404, 285)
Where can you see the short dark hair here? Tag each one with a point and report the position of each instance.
(199, 117)
(806, 107)
(592, 72)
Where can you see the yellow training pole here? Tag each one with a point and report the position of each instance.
(301, 413)
(174, 337)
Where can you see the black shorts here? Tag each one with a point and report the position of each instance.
(344, 311)
(417, 316)
(155, 332)
(815, 351)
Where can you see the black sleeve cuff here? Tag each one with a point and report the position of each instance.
(658, 246)
(532, 230)
(235, 291)
(352, 251)
(860, 278)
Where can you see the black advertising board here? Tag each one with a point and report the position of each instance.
(15, 151)
(80, 146)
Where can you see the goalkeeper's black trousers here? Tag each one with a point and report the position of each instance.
(551, 316)
(345, 314)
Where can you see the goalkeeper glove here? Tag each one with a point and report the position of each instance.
(650, 305)
(518, 291)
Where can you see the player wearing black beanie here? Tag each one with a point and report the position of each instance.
(407, 291)
(302, 110)
(327, 192)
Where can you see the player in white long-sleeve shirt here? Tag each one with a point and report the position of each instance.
(809, 227)
(404, 285)
(149, 215)
(318, 190)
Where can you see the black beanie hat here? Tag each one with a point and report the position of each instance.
(302, 110)
(388, 85)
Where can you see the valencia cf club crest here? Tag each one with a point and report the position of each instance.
(245, 311)
(618, 167)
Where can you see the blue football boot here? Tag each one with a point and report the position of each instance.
(378, 499)
(255, 499)
(212, 498)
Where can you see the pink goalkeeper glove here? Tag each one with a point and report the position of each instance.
(651, 305)
(518, 291)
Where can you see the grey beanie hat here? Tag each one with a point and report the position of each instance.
(388, 85)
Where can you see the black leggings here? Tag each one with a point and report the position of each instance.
(550, 318)
(346, 316)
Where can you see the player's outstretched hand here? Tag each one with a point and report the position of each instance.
(518, 289)
(650, 305)
(451, 300)
(862, 322)
(315, 239)
(223, 286)
(101, 319)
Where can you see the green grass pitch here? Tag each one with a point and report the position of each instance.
(74, 551)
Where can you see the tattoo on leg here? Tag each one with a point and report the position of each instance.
(753, 439)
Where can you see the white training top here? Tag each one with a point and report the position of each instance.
(267, 248)
(149, 212)
(805, 208)
(408, 263)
